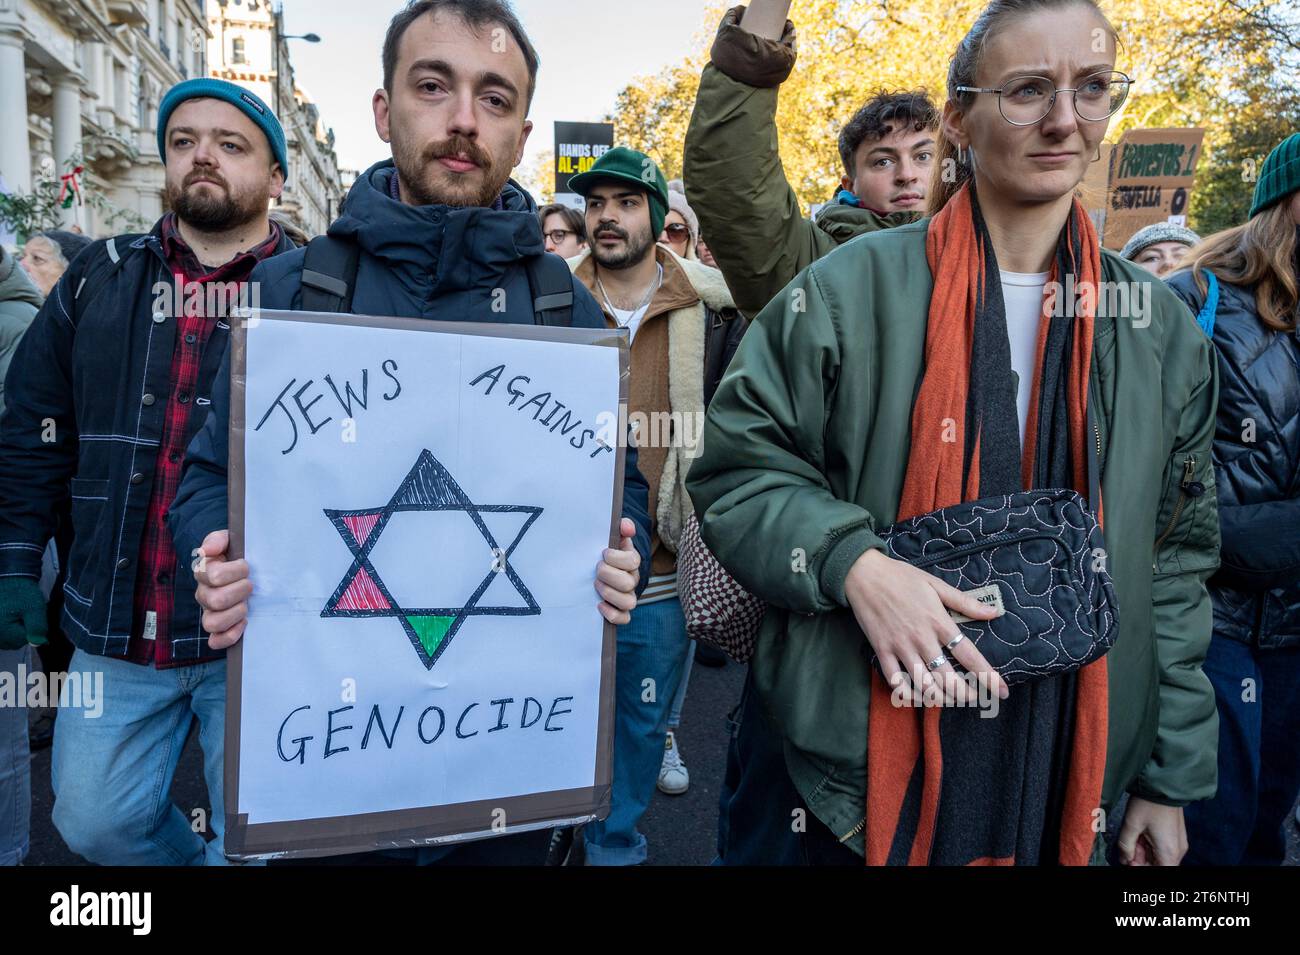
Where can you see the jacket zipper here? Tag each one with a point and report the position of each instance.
(854, 831)
(986, 545)
(1189, 468)
(1094, 387)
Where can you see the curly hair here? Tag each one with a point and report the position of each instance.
(888, 111)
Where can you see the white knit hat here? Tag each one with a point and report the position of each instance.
(1154, 234)
(677, 203)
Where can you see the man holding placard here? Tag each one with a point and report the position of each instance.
(438, 232)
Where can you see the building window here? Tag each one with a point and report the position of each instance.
(120, 87)
(237, 50)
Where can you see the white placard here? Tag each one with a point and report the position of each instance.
(423, 515)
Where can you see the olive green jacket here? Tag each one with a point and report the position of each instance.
(736, 183)
(805, 450)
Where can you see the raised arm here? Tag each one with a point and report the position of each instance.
(766, 18)
(732, 166)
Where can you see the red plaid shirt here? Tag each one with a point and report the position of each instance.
(157, 567)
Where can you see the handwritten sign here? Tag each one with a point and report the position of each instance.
(422, 506)
(1152, 173)
(1094, 190)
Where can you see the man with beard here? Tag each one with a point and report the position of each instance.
(437, 232)
(684, 329)
(107, 388)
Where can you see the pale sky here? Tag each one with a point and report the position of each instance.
(590, 49)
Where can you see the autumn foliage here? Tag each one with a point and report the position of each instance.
(1229, 66)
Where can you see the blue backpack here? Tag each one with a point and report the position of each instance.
(1205, 317)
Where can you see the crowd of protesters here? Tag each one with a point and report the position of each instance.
(822, 353)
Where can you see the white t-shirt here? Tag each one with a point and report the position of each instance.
(630, 319)
(1022, 294)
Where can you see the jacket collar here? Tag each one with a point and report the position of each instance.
(844, 222)
(685, 284)
(435, 249)
(153, 239)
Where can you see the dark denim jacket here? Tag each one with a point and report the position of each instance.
(85, 403)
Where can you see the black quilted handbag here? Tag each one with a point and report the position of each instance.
(1037, 554)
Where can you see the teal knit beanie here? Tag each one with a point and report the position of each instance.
(244, 101)
(1280, 176)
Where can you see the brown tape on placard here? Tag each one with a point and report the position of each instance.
(413, 828)
(424, 826)
(236, 822)
(616, 338)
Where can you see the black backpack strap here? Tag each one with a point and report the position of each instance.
(551, 285)
(329, 274)
(722, 333)
(98, 273)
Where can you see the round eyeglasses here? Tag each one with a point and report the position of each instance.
(1026, 100)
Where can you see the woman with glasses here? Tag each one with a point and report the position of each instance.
(681, 226)
(564, 230)
(975, 353)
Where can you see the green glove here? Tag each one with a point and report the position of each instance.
(22, 613)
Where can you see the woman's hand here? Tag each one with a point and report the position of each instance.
(904, 613)
(1152, 834)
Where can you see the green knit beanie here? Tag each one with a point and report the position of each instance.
(628, 165)
(1280, 176)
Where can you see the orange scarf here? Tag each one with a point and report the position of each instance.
(905, 745)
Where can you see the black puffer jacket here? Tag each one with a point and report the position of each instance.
(1257, 460)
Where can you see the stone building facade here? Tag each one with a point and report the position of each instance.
(80, 84)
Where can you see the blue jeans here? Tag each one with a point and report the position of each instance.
(679, 698)
(113, 774)
(653, 646)
(15, 766)
(1259, 758)
(757, 801)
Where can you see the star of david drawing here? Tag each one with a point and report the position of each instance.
(428, 487)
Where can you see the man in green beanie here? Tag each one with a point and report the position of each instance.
(109, 385)
(683, 328)
(641, 182)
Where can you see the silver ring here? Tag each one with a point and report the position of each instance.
(937, 662)
(958, 639)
